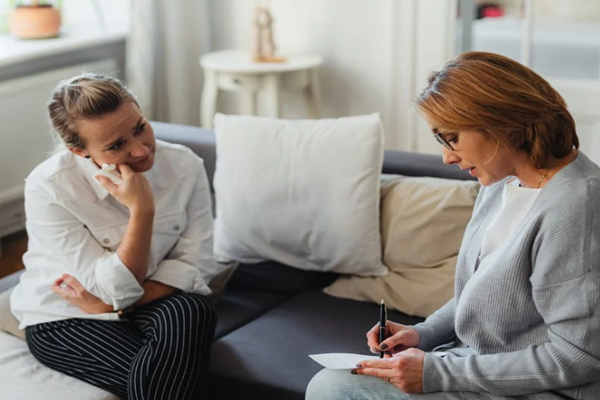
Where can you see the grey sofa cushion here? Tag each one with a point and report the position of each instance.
(418, 164)
(200, 140)
(236, 308)
(273, 277)
(268, 357)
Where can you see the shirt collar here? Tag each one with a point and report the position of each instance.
(89, 169)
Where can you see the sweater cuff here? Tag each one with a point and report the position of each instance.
(445, 374)
(427, 337)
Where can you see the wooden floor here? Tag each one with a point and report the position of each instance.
(13, 248)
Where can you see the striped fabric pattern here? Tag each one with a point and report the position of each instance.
(161, 352)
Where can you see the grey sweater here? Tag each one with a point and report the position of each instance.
(525, 321)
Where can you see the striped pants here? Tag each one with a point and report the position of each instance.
(161, 352)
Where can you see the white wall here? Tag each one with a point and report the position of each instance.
(357, 39)
(25, 139)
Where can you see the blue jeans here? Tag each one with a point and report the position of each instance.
(340, 384)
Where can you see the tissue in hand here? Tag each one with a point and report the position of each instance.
(110, 171)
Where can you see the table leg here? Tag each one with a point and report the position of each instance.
(208, 102)
(312, 93)
(271, 90)
(248, 102)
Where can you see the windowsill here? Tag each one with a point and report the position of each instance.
(13, 50)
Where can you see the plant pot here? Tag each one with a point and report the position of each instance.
(34, 22)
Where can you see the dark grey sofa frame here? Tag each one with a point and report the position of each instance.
(272, 316)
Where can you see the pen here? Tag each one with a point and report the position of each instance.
(382, 324)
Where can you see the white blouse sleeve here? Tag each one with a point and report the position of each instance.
(190, 265)
(69, 244)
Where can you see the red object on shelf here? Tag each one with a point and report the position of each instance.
(492, 12)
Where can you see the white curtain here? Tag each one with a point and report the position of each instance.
(166, 40)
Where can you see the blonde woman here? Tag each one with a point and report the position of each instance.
(525, 319)
(117, 269)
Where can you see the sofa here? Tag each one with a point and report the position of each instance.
(271, 317)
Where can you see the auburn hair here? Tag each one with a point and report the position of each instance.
(503, 99)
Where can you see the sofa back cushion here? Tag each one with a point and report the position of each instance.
(202, 142)
(304, 193)
(422, 225)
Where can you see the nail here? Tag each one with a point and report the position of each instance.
(353, 372)
(383, 346)
(359, 365)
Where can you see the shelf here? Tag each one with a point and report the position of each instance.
(14, 51)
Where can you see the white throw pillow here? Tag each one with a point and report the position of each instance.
(304, 193)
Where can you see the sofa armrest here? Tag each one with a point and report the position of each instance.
(9, 281)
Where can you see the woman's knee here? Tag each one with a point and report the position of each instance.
(331, 384)
(325, 385)
(192, 310)
(198, 306)
(341, 384)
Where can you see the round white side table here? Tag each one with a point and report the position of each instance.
(233, 70)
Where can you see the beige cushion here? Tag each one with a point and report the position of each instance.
(24, 378)
(422, 224)
(8, 322)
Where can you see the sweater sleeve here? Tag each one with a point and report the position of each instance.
(566, 290)
(438, 328)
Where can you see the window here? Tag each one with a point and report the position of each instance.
(108, 16)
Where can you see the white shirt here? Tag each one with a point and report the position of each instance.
(516, 203)
(75, 227)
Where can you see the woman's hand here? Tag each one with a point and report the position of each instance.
(134, 192)
(399, 338)
(72, 291)
(404, 370)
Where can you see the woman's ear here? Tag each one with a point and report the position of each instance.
(79, 152)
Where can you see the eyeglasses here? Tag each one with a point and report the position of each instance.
(438, 136)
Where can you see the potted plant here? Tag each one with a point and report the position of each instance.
(36, 20)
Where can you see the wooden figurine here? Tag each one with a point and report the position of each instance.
(263, 46)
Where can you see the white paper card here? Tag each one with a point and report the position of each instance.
(340, 360)
(349, 360)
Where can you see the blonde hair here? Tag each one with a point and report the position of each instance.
(503, 99)
(82, 97)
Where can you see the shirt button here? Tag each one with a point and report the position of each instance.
(175, 227)
(107, 240)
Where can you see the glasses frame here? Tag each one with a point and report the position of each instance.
(440, 139)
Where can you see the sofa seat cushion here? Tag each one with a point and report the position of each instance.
(273, 277)
(238, 307)
(24, 378)
(268, 357)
